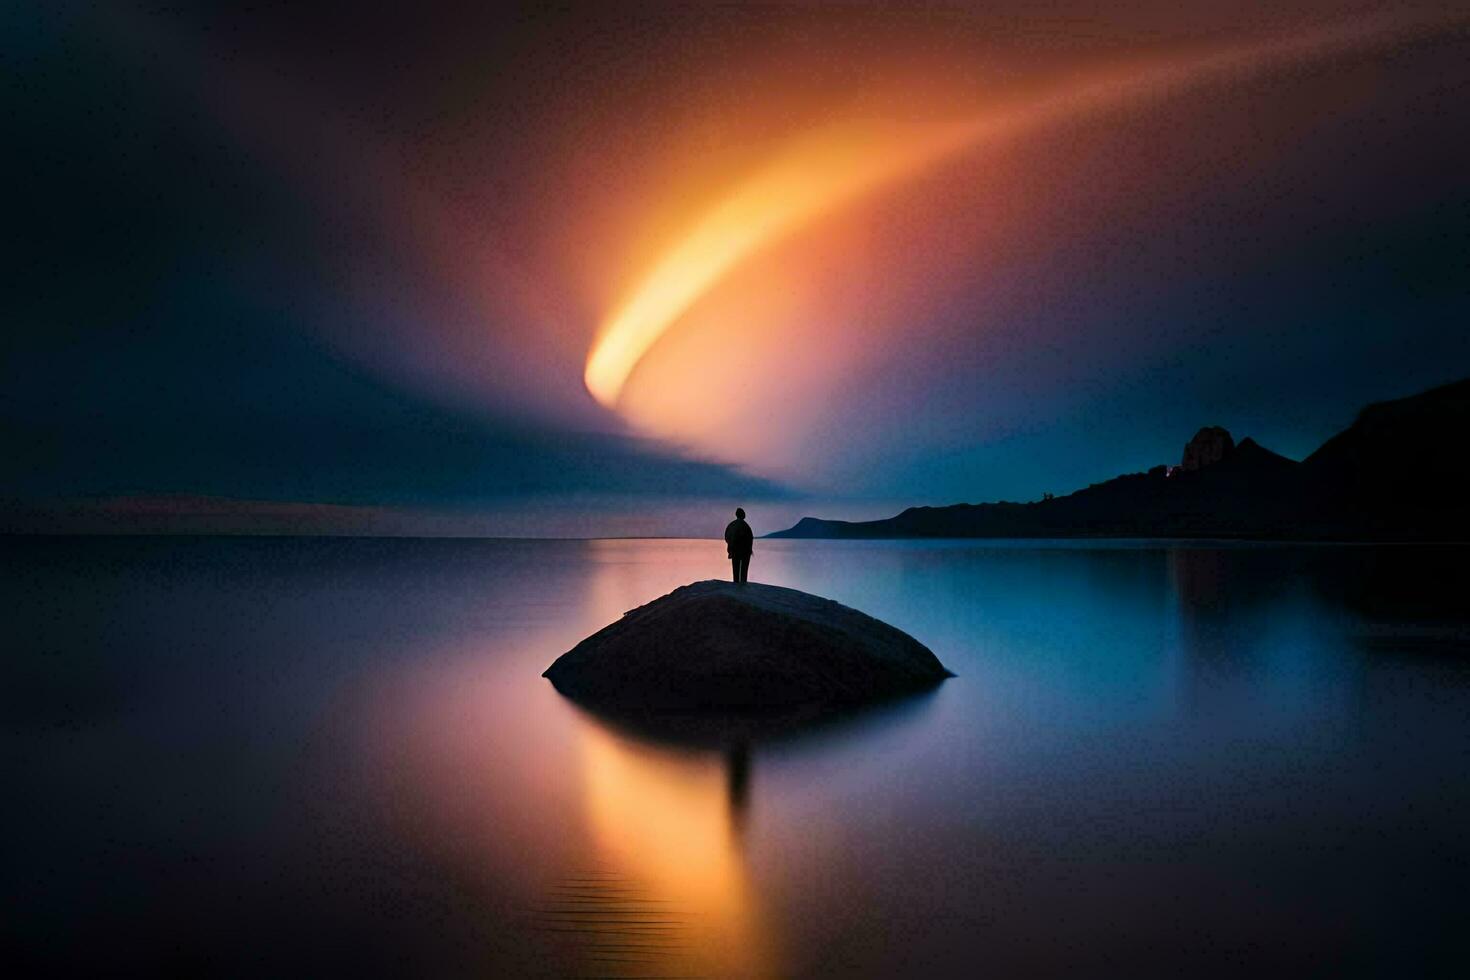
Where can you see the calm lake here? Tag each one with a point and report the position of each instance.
(268, 756)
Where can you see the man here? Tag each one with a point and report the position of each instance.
(738, 541)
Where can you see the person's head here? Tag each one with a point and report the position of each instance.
(740, 512)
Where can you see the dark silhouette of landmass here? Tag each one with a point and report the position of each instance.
(1401, 471)
(742, 651)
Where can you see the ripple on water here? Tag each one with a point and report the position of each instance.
(608, 925)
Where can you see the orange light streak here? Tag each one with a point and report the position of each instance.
(834, 166)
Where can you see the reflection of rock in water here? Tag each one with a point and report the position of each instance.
(666, 801)
(665, 825)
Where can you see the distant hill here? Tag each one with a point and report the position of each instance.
(1401, 471)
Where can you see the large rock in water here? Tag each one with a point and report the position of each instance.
(717, 647)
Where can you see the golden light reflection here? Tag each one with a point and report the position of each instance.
(668, 821)
(834, 166)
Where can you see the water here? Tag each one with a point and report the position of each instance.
(267, 756)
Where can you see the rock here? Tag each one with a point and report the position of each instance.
(1401, 469)
(720, 647)
(1210, 445)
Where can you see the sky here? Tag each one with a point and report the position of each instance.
(485, 265)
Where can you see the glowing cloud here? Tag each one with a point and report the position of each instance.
(816, 175)
(835, 165)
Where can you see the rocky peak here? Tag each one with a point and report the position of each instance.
(1209, 445)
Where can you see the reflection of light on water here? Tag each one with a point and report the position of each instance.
(666, 820)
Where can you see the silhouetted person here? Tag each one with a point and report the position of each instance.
(738, 543)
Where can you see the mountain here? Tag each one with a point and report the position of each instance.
(1401, 471)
